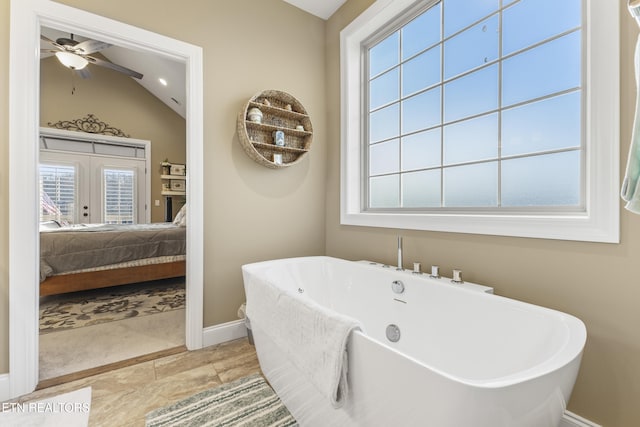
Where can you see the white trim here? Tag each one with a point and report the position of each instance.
(24, 68)
(600, 222)
(224, 332)
(569, 419)
(4, 387)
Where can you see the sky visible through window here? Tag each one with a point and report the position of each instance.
(478, 104)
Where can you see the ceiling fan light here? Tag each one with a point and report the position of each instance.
(71, 60)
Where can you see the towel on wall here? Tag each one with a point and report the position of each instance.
(313, 337)
(630, 186)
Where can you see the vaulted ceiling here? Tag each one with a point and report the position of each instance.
(165, 78)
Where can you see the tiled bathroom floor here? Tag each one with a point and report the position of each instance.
(123, 396)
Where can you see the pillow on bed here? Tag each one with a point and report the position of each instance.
(49, 225)
(181, 217)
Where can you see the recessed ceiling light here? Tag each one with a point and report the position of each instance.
(162, 81)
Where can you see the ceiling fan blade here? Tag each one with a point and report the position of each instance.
(84, 73)
(48, 40)
(90, 46)
(113, 66)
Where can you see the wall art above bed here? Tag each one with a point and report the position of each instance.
(89, 124)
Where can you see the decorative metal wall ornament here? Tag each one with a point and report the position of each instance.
(89, 124)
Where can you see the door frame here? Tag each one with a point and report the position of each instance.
(27, 16)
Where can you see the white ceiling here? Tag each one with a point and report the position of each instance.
(154, 67)
(321, 8)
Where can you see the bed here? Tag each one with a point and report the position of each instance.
(91, 256)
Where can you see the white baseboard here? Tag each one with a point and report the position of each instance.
(4, 387)
(569, 419)
(224, 332)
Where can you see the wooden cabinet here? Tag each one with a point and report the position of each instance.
(276, 112)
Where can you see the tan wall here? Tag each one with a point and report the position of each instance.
(599, 283)
(251, 212)
(122, 103)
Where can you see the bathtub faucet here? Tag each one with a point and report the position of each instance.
(399, 254)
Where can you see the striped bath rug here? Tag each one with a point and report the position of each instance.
(246, 402)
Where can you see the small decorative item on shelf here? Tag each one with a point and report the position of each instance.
(300, 127)
(266, 102)
(177, 169)
(277, 158)
(288, 107)
(278, 138)
(255, 115)
(177, 185)
(166, 167)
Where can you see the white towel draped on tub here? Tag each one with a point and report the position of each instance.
(313, 337)
(630, 186)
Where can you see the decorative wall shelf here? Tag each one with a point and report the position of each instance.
(174, 182)
(173, 185)
(279, 112)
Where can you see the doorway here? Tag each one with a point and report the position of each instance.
(26, 20)
(94, 198)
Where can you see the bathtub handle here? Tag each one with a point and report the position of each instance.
(397, 286)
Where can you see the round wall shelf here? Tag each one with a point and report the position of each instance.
(276, 112)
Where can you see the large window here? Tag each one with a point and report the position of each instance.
(493, 117)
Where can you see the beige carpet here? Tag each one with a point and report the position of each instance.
(70, 349)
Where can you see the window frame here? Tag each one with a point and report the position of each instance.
(599, 222)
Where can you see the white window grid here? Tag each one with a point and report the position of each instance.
(396, 26)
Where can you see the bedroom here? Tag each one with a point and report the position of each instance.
(299, 53)
(128, 108)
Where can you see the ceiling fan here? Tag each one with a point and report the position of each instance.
(75, 55)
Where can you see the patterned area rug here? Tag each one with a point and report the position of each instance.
(246, 402)
(88, 308)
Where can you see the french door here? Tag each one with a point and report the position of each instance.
(81, 188)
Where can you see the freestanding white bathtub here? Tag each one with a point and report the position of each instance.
(465, 358)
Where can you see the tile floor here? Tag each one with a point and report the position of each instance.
(122, 397)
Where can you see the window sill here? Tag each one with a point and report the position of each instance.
(565, 227)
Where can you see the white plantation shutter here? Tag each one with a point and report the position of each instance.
(58, 197)
(119, 196)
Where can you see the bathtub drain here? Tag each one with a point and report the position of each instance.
(393, 333)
